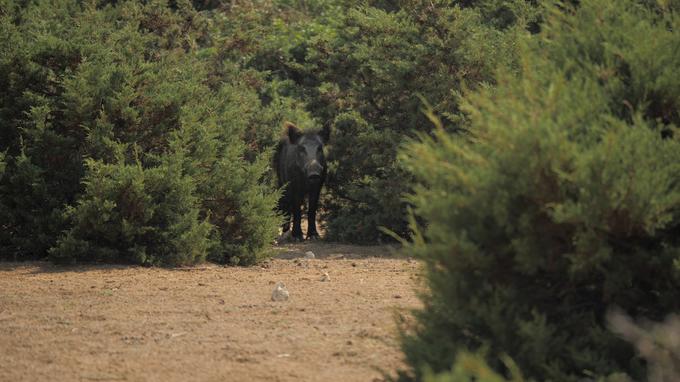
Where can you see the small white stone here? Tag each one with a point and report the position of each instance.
(325, 277)
(309, 255)
(280, 293)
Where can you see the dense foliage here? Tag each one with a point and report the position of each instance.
(655, 342)
(384, 61)
(127, 137)
(363, 67)
(563, 201)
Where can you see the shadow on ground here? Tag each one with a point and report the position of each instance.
(285, 248)
(331, 251)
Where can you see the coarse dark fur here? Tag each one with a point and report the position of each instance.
(301, 170)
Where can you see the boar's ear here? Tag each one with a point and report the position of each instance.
(291, 132)
(325, 132)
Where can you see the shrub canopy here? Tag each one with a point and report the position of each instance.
(562, 202)
(363, 67)
(128, 137)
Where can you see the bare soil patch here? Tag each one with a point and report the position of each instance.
(208, 323)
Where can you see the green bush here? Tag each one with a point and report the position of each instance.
(473, 368)
(562, 201)
(102, 99)
(237, 197)
(655, 342)
(144, 216)
(383, 61)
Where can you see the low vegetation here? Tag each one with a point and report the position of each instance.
(128, 138)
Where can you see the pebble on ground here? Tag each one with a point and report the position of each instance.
(280, 292)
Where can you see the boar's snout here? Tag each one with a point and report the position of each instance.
(314, 169)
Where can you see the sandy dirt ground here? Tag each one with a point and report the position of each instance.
(208, 323)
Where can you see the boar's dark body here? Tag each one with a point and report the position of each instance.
(301, 171)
